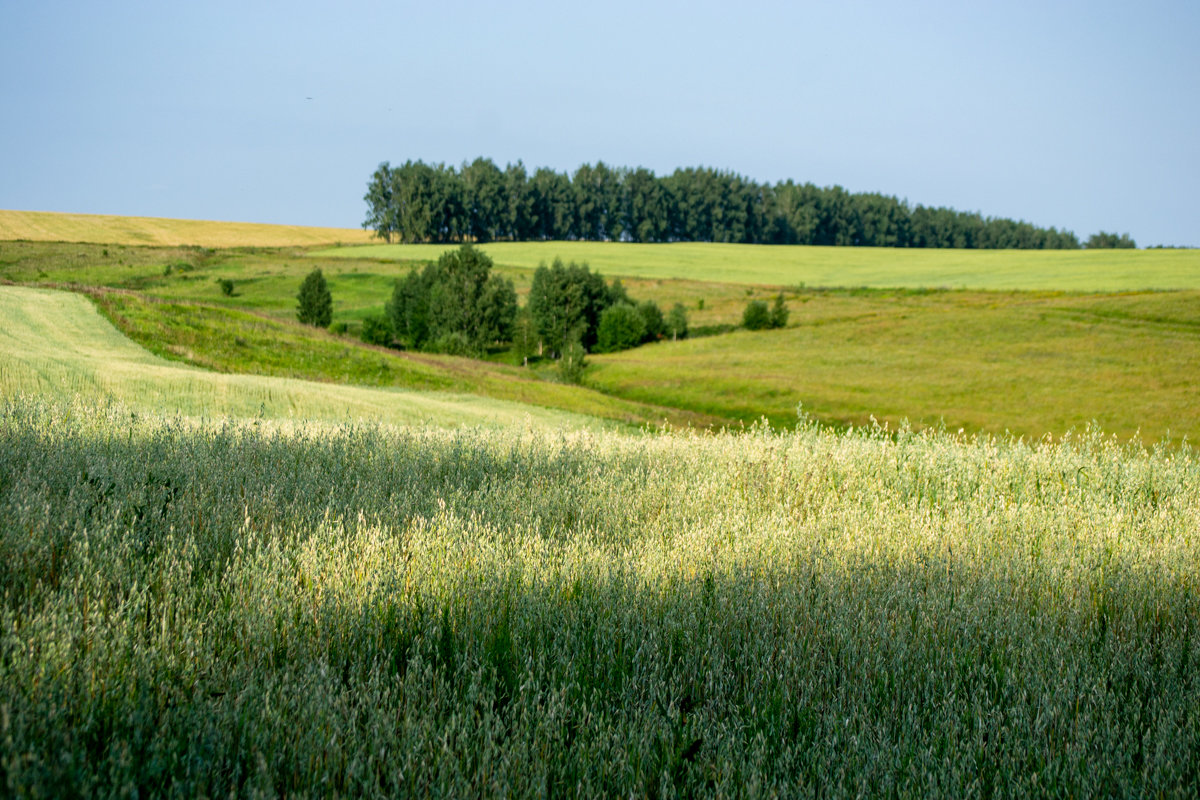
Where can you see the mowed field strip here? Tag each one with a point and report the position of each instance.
(790, 265)
(56, 344)
(44, 226)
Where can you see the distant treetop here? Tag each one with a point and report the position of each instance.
(479, 202)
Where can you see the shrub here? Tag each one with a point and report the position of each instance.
(314, 302)
(454, 343)
(339, 328)
(226, 286)
(377, 329)
(621, 327)
(677, 322)
(757, 316)
(652, 316)
(779, 312)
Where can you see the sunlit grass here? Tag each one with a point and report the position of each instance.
(778, 265)
(55, 344)
(278, 609)
(1032, 364)
(40, 226)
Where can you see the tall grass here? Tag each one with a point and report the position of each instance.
(200, 608)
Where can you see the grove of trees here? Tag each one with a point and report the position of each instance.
(455, 305)
(458, 306)
(1104, 240)
(479, 202)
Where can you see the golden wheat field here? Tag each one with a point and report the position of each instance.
(44, 226)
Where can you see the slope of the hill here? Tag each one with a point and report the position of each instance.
(44, 226)
(55, 344)
(1030, 363)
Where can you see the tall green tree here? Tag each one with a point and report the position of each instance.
(485, 199)
(380, 206)
(315, 302)
(1102, 239)
(566, 301)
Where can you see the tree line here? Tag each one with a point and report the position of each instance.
(479, 202)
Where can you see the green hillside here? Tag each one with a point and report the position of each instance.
(55, 344)
(780, 265)
(1029, 363)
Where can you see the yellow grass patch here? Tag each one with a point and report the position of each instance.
(43, 226)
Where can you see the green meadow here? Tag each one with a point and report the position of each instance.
(1029, 362)
(779, 265)
(240, 556)
(56, 345)
(1033, 364)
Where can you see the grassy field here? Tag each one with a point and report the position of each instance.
(1029, 363)
(342, 588)
(267, 280)
(258, 609)
(55, 344)
(232, 341)
(41, 226)
(773, 265)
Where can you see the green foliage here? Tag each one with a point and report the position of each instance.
(452, 343)
(1110, 241)
(339, 328)
(57, 345)
(457, 300)
(757, 316)
(573, 362)
(226, 286)
(652, 319)
(621, 327)
(421, 202)
(272, 608)
(677, 322)
(566, 301)
(525, 335)
(779, 312)
(315, 303)
(377, 330)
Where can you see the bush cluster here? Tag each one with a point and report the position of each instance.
(758, 316)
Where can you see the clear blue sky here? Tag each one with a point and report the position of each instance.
(1082, 115)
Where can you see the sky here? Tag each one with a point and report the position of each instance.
(1078, 115)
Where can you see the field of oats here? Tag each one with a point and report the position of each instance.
(270, 608)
